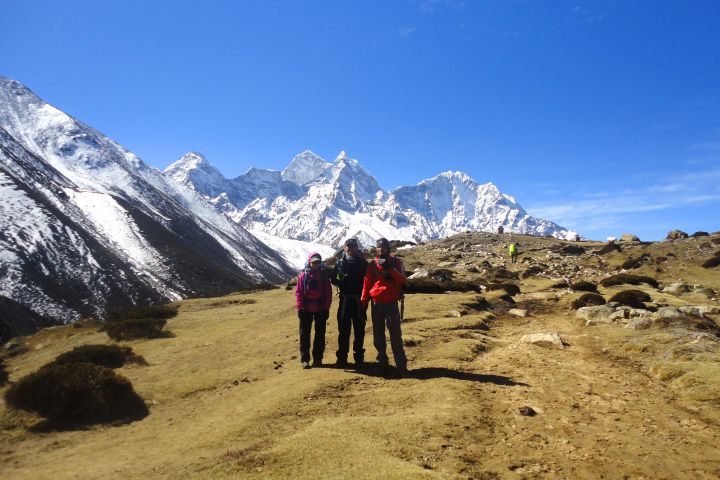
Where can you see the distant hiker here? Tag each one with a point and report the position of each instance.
(313, 297)
(501, 229)
(348, 275)
(384, 278)
(513, 252)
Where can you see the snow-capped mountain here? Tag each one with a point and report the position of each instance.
(341, 199)
(86, 227)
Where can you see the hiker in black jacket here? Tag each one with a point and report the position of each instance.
(348, 275)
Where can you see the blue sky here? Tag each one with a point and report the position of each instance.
(603, 116)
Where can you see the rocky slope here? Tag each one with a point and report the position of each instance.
(501, 385)
(87, 227)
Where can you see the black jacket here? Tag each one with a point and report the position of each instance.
(349, 276)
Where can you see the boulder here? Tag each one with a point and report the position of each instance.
(543, 339)
(420, 274)
(668, 312)
(676, 235)
(518, 312)
(640, 323)
(597, 313)
(629, 237)
(678, 287)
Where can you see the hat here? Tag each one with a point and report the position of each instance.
(315, 258)
(382, 242)
(350, 242)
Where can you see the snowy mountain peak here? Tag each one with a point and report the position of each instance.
(193, 170)
(341, 156)
(304, 168)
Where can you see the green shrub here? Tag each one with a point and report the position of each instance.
(109, 356)
(503, 273)
(560, 284)
(583, 286)
(479, 304)
(441, 274)
(532, 271)
(429, 285)
(77, 394)
(571, 250)
(136, 328)
(635, 262)
(150, 311)
(631, 298)
(587, 300)
(510, 288)
(712, 263)
(609, 248)
(3, 374)
(627, 278)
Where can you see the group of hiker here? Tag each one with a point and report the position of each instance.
(361, 283)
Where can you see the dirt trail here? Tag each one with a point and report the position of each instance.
(229, 400)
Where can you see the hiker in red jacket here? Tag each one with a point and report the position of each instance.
(313, 297)
(384, 279)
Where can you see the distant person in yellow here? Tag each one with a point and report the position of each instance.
(513, 252)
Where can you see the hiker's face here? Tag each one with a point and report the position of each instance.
(315, 264)
(382, 249)
(351, 250)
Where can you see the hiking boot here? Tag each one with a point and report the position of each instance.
(305, 365)
(317, 363)
(359, 363)
(341, 363)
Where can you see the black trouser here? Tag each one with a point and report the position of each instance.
(351, 317)
(387, 314)
(306, 321)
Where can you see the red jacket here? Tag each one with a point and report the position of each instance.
(313, 292)
(380, 288)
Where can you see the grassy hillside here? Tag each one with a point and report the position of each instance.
(228, 399)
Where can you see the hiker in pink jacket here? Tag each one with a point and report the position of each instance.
(313, 297)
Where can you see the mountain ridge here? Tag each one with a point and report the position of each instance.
(340, 199)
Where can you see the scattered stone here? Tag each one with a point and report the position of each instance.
(455, 313)
(518, 312)
(668, 312)
(640, 323)
(678, 287)
(527, 411)
(420, 274)
(597, 313)
(543, 339)
(676, 235)
(629, 237)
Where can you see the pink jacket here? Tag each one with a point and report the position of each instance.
(313, 292)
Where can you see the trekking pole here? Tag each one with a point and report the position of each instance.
(402, 308)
